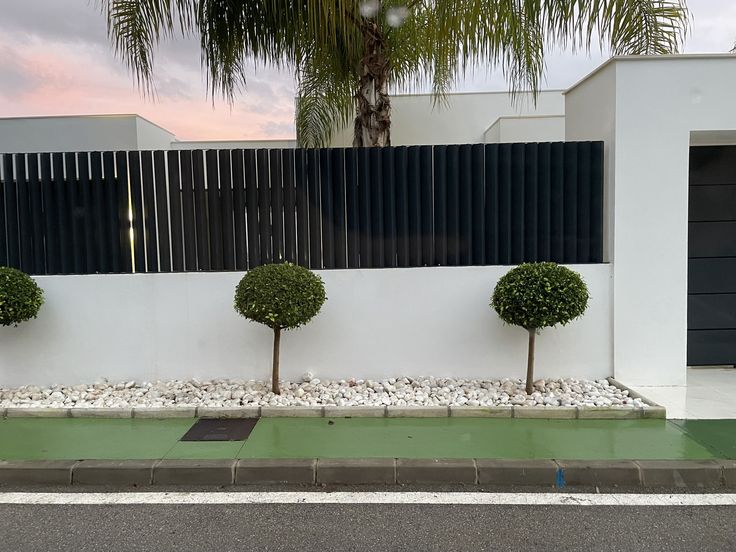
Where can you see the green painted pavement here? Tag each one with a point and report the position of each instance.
(718, 436)
(68, 438)
(469, 438)
(88, 438)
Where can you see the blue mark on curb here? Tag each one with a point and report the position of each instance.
(560, 479)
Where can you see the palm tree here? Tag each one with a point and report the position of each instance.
(348, 54)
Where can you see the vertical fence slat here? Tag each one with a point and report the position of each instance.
(289, 206)
(557, 185)
(378, 234)
(351, 208)
(12, 231)
(465, 205)
(339, 230)
(440, 205)
(364, 207)
(189, 225)
(200, 211)
(264, 205)
(226, 209)
(25, 225)
(492, 204)
(123, 212)
(302, 207)
(530, 199)
(596, 203)
(401, 190)
(162, 211)
(277, 204)
(214, 212)
(453, 205)
(112, 232)
(389, 207)
(315, 217)
(570, 195)
(544, 174)
(583, 212)
(98, 204)
(149, 212)
(477, 200)
(241, 235)
(34, 185)
(427, 200)
(7, 177)
(62, 214)
(326, 205)
(86, 206)
(414, 206)
(517, 203)
(136, 204)
(251, 205)
(76, 217)
(175, 212)
(505, 180)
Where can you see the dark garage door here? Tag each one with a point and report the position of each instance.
(711, 314)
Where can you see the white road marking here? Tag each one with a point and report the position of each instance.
(429, 498)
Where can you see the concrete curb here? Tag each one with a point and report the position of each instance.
(686, 474)
(538, 412)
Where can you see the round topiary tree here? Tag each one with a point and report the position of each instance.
(20, 297)
(536, 296)
(282, 297)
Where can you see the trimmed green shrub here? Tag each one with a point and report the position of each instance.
(282, 297)
(536, 296)
(20, 297)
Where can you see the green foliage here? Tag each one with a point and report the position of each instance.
(437, 43)
(281, 296)
(539, 295)
(20, 297)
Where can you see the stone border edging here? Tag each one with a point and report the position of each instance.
(538, 412)
(686, 474)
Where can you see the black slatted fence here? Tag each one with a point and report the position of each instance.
(457, 205)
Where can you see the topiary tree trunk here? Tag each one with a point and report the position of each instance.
(275, 370)
(530, 361)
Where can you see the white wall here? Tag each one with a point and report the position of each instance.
(232, 144)
(658, 102)
(530, 128)
(80, 133)
(463, 120)
(376, 323)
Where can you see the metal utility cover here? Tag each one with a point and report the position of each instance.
(232, 429)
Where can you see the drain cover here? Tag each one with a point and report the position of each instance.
(232, 429)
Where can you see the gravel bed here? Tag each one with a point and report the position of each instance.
(422, 391)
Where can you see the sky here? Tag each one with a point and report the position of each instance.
(55, 59)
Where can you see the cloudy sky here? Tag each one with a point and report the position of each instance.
(55, 60)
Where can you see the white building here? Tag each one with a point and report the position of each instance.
(648, 111)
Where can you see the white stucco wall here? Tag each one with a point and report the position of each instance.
(80, 133)
(658, 102)
(376, 323)
(232, 144)
(530, 128)
(464, 119)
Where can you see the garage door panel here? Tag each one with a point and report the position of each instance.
(712, 239)
(712, 275)
(713, 203)
(712, 165)
(711, 312)
(711, 347)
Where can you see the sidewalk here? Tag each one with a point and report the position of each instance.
(517, 442)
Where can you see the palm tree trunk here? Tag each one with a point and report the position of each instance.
(275, 372)
(373, 119)
(530, 362)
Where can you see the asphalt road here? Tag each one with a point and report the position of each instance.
(355, 527)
